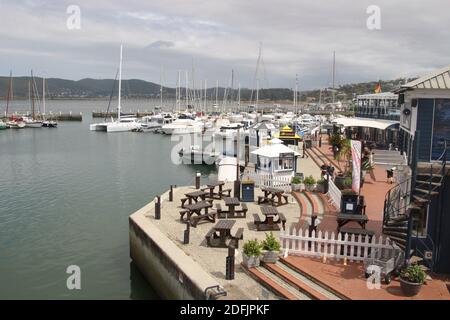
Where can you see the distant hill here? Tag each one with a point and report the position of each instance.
(134, 88)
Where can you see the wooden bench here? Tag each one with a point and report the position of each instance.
(244, 209)
(344, 218)
(285, 197)
(262, 199)
(357, 231)
(209, 235)
(226, 192)
(235, 239)
(257, 220)
(219, 208)
(182, 213)
(183, 201)
(211, 217)
(283, 220)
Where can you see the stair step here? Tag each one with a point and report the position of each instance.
(397, 224)
(420, 199)
(398, 240)
(294, 281)
(438, 184)
(395, 234)
(396, 228)
(399, 218)
(285, 285)
(433, 193)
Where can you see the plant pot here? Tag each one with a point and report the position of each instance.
(310, 187)
(295, 187)
(270, 256)
(410, 289)
(320, 188)
(339, 182)
(250, 262)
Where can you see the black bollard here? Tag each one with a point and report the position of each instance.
(158, 208)
(197, 180)
(171, 194)
(186, 233)
(327, 184)
(229, 268)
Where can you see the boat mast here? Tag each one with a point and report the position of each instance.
(206, 97)
(160, 89)
(217, 92)
(32, 96)
(9, 95)
(334, 73)
(187, 90)
(239, 96)
(43, 95)
(120, 85)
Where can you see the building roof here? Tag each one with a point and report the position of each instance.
(382, 95)
(274, 150)
(439, 79)
(363, 122)
(264, 125)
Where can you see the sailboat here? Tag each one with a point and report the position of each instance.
(123, 123)
(15, 122)
(32, 122)
(46, 123)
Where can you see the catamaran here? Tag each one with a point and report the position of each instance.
(123, 123)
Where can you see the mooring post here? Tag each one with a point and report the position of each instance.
(229, 266)
(186, 233)
(197, 180)
(158, 208)
(171, 194)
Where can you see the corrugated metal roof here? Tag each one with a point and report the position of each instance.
(439, 79)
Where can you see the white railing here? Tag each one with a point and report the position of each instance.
(269, 180)
(332, 246)
(334, 194)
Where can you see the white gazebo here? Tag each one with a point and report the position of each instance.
(276, 159)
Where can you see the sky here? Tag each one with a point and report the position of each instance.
(209, 38)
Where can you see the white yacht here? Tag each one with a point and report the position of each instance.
(183, 126)
(123, 123)
(195, 155)
(32, 123)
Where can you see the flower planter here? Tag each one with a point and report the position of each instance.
(250, 262)
(310, 187)
(410, 289)
(270, 256)
(296, 187)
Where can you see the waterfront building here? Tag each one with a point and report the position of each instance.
(276, 159)
(288, 136)
(259, 135)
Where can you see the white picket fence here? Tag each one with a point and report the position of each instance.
(334, 194)
(332, 246)
(269, 180)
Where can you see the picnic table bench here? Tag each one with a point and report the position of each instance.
(273, 196)
(210, 187)
(220, 235)
(195, 208)
(195, 196)
(344, 218)
(232, 212)
(269, 222)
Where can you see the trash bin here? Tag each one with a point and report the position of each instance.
(308, 144)
(248, 191)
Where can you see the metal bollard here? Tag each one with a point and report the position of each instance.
(197, 180)
(229, 268)
(171, 194)
(158, 208)
(186, 233)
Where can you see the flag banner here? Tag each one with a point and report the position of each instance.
(378, 88)
(356, 160)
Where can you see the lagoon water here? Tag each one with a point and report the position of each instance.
(65, 198)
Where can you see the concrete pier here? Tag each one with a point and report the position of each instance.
(185, 271)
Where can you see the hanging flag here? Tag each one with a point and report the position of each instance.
(356, 160)
(378, 88)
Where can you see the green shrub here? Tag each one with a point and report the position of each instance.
(296, 180)
(321, 182)
(413, 273)
(348, 192)
(252, 248)
(348, 182)
(310, 181)
(271, 243)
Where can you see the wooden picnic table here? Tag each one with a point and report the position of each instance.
(269, 223)
(195, 208)
(274, 196)
(212, 186)
(222, 232)
(344, 218)
(231, 203)
(194, 196)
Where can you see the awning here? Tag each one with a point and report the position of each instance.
(367, 123)
(274, 151)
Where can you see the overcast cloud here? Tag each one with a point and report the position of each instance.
(217, 36)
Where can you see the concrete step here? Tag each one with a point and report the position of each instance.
(421, 200)
(304, 201)
(287, 290)
(314, 289)
(426, 192)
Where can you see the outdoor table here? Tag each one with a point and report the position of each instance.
(196, 195)
(271, 193)
(212, 185)
(223, 227)
(343, 219)
(270, 213)
(231, 203)
(197, 208)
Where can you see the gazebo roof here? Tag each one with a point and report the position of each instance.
(274, 150)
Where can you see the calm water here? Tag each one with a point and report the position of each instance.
(65, 198)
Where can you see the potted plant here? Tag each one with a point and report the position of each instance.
(296, 183)
(321, 185)
(412, 279)
(271, 247)
(251, 254)
(309, 183)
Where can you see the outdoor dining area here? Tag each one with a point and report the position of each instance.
(214, 204)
